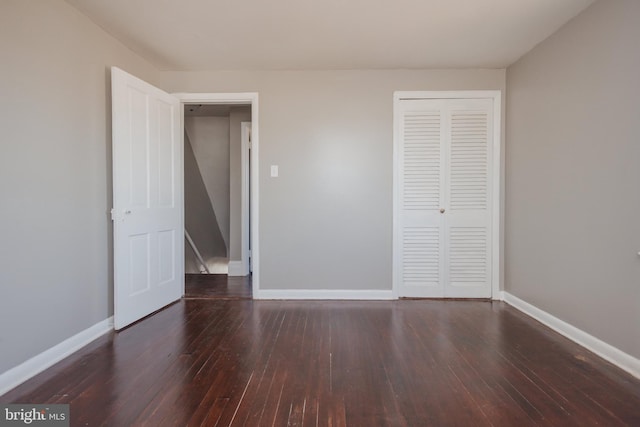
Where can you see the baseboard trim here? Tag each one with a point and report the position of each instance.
(32, 367)
(606, 351)
(323, 294)
(237, 269)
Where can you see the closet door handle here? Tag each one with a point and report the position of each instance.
(441, 210)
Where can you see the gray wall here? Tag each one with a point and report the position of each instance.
(573, 170)
(326, 222)
(55, 174)
(199, 217)
(237, 115)
(209, 136)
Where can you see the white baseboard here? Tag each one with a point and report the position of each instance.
(237, 269)
(323, 294)
(606, 351)
(32, 367)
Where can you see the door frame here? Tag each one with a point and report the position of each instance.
(245, 196)
(497, 222)
(239, 98)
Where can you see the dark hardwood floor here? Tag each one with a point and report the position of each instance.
(337, 363)
(218, 286)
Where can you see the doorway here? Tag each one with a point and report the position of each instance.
(240, 233)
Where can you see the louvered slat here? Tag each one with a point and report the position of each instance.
(421, 255)
(468, 254)
(468, 160)
(421, 160)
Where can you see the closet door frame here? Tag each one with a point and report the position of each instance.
(497, 224)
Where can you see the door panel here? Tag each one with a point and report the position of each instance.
(147, 198)
(468, 214)
(421, 196)
(421, 261)
(422, 157)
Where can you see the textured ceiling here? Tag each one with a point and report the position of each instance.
(330, 34)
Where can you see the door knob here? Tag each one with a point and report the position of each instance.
(441, 210)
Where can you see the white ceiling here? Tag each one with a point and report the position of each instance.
(330, 34)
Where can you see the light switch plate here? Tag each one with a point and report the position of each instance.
(274, 171)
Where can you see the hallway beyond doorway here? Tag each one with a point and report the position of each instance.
(217, 286)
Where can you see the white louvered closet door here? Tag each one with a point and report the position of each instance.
(422, 155)
(445, 198)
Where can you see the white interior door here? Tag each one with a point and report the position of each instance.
(147, 198)
(422, 156)
(467, 218)
(444, 195)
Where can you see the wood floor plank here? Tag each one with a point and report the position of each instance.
(222, 362)
(542, 372)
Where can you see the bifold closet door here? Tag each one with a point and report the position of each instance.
(445, 197)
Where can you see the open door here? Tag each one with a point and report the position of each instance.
(147, 198)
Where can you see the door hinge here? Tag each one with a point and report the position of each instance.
(113, 214)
